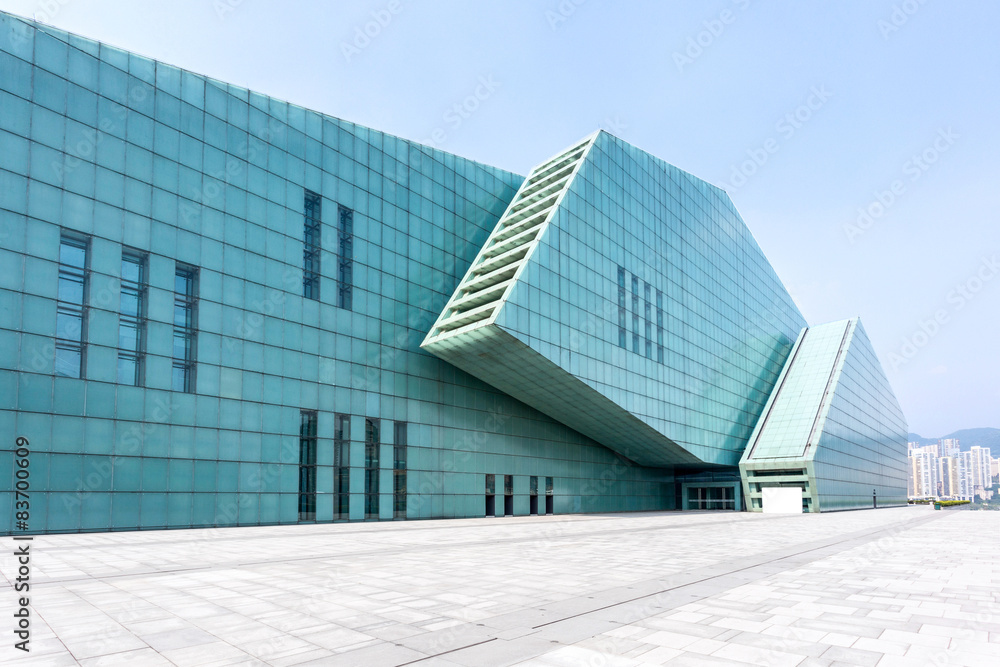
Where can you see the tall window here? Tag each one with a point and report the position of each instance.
(550, 499)
(132, 320)
(311, 247)
(659, 326)
(185, 323)
(621, 307)
(371, 468)
(71, 307)
(307, 465)
(345, 243)
(342, 466)
(647, 307)
(399, 471)
(635, 314)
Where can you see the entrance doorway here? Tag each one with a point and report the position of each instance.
(711, 498)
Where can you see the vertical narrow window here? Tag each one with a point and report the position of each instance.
(132, 320)
(399, 471)
(491, 499)
(185, 323)
(311, 248)
(71, 308)
(635, 314)
(550, 505)
(533, 495)
(371, 468)
(508, 495)
(307, 465)
(621, 307)
(342, 466)
(345, 256)
(659, 326)
(647, 312)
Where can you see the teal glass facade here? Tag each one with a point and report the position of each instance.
(135, 158)
(212, 305)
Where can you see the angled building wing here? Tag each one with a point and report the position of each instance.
(832, 426)
(627, 298)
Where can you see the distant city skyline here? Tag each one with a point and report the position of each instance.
(858, 141)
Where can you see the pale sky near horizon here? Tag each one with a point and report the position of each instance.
(805, 112)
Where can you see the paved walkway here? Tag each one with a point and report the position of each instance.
(906, 586)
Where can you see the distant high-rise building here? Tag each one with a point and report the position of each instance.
(966, 481)
(923, 473)
(948, 474)
(949, 447)
(982, 477)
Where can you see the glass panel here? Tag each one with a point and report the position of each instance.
(182, 315)
(182, 282)
(181, 345)
(179, 378)
(69, 324)
(129, 303)
(126, 370)
(70, 287)
(73, 253)
(128, 336)
(68, 362)
(131, 269)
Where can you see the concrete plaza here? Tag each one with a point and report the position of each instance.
(905, 586)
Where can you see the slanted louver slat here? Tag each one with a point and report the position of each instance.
(481, 293)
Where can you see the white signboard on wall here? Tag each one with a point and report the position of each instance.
(781, 500)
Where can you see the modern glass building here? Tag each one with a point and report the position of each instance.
(218, 308)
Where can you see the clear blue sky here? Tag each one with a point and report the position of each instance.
(706, 86)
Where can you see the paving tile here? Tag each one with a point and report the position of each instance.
(838, 639)
(853, 656)
(881, 646)
(176, 639)
(698, 660)
(920, 639)
(145, 656)
(380, 655)
(205, 654)
(759, 656)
